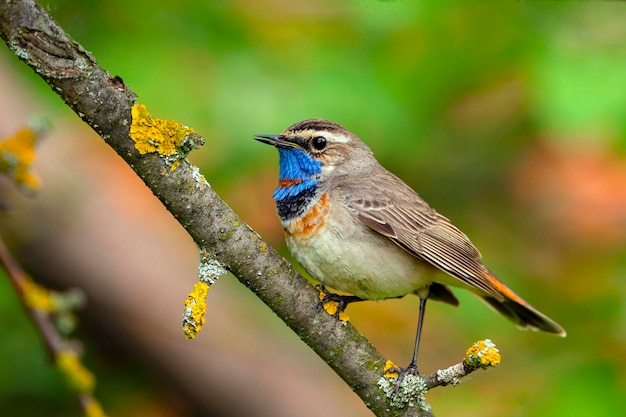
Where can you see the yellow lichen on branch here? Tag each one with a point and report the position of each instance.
(164, 137)
(78, 377)
(37, 297)
(209, 270)
(81, 380)
(94, 409)
(483, 354)
(17, 154)
(409, 388)
(195, 309)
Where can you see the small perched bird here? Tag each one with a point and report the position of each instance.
(357, 228)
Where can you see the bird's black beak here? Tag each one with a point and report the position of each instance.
(275, 140)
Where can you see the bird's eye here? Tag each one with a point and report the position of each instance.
(318, 143)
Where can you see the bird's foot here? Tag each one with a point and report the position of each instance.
(394, 371)
(410, 370)
(404, 386)
(335, 304)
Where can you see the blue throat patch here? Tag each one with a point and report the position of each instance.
(298, 166)
(298, 183)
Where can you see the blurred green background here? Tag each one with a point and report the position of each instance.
(508, 117)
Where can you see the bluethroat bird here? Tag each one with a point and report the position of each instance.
(359, 229)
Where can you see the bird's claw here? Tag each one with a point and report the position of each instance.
(393, 371)
(334, 304)
(404, 386)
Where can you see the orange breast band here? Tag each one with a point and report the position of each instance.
(310, 222)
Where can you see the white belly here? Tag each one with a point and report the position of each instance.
(358, 261)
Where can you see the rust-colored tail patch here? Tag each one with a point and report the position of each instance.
(504, 290)
(518, 310)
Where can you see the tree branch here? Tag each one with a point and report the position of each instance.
(105, 103)
(41, 304)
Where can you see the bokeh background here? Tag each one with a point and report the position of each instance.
(508, 117)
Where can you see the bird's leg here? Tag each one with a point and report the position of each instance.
(412, 368)
(335, 304)
(420, 323)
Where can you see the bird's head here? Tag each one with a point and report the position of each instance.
(319, 150)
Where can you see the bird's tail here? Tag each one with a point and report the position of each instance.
(519, 311)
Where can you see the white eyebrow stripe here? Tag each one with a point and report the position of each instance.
(332, 137)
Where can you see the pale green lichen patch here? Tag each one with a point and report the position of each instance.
(21, 53)
(210, 269)
(409, 393)
(449, 376)
(198, 177)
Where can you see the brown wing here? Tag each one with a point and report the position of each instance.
(394, 210)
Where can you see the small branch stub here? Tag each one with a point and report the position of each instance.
(410, 391)
(483, 354)
(209, 271)
(44, 306)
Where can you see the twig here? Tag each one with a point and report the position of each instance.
(410, 392)
(52, 339)
(40, 305)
